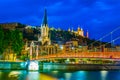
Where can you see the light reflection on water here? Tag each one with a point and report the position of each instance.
(59, 75)
(104, 74)
(67, 76)
(80, 75)
(33, 76)
(39, 76)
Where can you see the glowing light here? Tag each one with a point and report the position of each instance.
(72, 47)
(68, 59)
(61, 47)
(22, 64)
(33, 65)
(55, 72)
(104, 74)
(68, 76)
(14, 74)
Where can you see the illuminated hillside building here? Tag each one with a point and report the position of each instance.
(79, 31)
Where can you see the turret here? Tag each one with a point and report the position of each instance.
(69, 29)
(79, 29)
(72, 29)
(87, 34)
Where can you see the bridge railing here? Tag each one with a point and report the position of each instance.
(83, 55)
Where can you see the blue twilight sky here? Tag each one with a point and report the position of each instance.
(99, 17)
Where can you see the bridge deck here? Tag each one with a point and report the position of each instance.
(83, 55)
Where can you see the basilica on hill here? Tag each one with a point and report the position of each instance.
(80, 32)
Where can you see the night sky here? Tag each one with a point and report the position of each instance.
(99, 17)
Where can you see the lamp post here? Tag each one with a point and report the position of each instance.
(111, 39)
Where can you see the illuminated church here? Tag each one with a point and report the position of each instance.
(43, 46)
(44, 38)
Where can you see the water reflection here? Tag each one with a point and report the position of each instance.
(39, 76)
(59, 75)
(68, 76)
(33, 76)
(46, 77)
(104, 74)
(55, 73)
(81, 75)
(12, 75)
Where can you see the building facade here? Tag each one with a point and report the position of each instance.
(80, 32)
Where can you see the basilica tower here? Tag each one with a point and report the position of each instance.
(44, 38)
(80, 31)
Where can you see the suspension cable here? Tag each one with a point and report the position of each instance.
(105, 36)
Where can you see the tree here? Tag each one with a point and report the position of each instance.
(17, 41)
(1, 40)
(11, 41)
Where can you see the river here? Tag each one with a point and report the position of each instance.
(59, 75)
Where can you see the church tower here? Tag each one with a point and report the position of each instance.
(44, 38)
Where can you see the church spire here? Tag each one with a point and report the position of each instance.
(44, 38)
(45, 18)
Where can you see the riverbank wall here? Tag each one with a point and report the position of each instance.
(58, 66)
(13, 65)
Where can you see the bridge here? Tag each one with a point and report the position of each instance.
(97, 52)
(109, 55)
